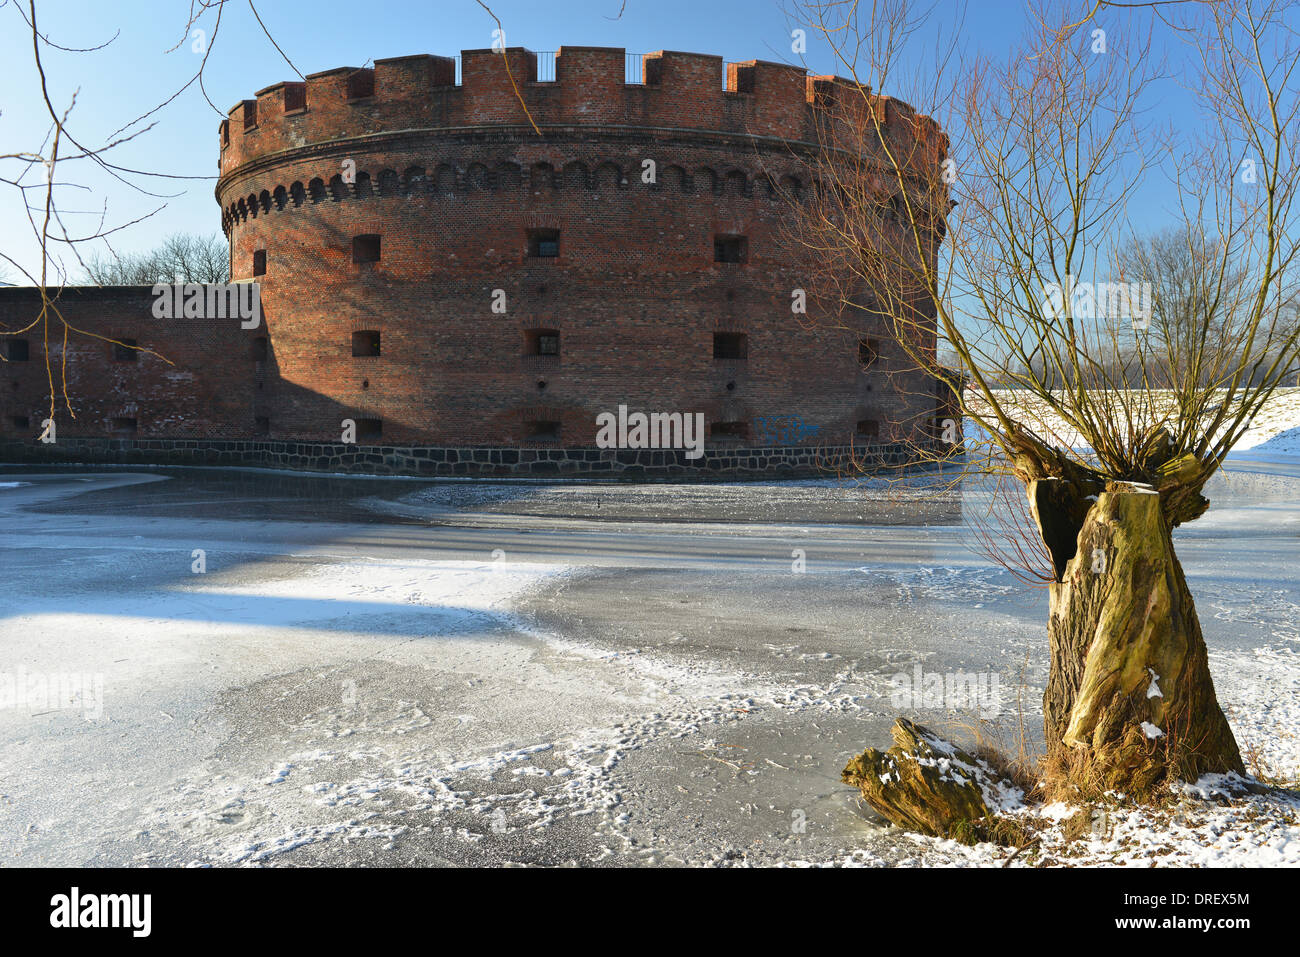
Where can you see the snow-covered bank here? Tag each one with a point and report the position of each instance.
(1274, 434)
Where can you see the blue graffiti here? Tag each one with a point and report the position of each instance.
(782, 429)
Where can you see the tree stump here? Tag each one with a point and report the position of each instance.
(927, 785)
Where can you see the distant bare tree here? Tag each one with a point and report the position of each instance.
(1190, 314)
(180, 258)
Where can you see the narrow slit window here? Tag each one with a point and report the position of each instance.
(868, 353)
(259, 262)
(542, 430)
(729, 430)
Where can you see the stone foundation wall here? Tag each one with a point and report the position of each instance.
(633, 465)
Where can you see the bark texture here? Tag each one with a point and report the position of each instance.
(1129, 702)
(928, 785)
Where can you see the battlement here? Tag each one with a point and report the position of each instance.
(679, 91)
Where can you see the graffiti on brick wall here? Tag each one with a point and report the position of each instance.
(782, 429)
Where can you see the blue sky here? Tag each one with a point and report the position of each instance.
(135, 73)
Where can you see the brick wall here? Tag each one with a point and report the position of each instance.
(190, 378)
(454, 180)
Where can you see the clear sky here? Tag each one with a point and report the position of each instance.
(136, 71)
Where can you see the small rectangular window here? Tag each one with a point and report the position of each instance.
(369, 431)
(250, 114)
(124, 427)
(543, 430)
(729, 249)
(543, 243)
(259, 262)
(730, 345)
(18, 350)
(365, 249)
(541, 342)
(728, 430)
(868, 429)
(868, 353)
(261, 349)
(20, 422)
(124, 350)
(261, 425)
(365, 343)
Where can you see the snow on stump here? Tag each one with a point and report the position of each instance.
(927, 785)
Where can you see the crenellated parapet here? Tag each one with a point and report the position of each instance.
(678, 92)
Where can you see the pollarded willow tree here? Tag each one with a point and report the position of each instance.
(1105, 381)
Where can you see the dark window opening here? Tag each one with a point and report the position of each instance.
(361, 84)
(124, 426)
(365, 249)
(261, 425)
(21, 422)
(261, 349)
(369, 430)
(543, 243)
(729, 249)
(868, 429)
(541, 342)
(365, 343)
(250, 114)
(259, 262)
(730, 345)
(542, 430)
(19, 350)
(868, 353)
(728, 430)
(124, 350)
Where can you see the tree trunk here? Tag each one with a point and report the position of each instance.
(1129, 703)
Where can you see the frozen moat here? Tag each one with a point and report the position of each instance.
(314, 670)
